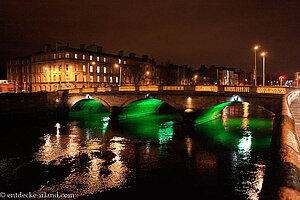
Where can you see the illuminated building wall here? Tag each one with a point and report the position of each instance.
(68, 68)
(297, 79)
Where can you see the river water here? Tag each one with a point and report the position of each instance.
(151, 156)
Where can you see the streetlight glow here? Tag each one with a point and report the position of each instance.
(263, 54)
(120, 74)
(255, 68)
(147, 73)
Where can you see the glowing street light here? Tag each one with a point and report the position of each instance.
(281, 79)
(195, 77)
(120, 81)
(263, 54)
(147, 73)
(255, 68)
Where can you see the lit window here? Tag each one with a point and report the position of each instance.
(104, 70)
(98, 69)
(98, 58)
(91, 57)
(91, 68)
(83, 57)
(98, 78)
(104, 79)
(91, 78)
(120, 61)
(104, 59)
(84, 78)
(67, 55)
(124, 62)
(111, 79)
(76, 55)
(83, 68)
(117, 79)
(54, 56)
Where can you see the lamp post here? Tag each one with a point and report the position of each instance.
(148, 74)
(281, 79)
(255, 68)
(263, 54)
(120, 76)
(195, 77)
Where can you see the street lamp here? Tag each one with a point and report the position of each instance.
(120, 76)
(195, 77)
(255, 68)
(263, 54)
(281, 79)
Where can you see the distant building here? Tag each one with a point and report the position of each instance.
(67, 68)
(6, 86)
(221, 76)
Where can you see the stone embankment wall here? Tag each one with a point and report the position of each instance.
(30, 106)
(282, 179)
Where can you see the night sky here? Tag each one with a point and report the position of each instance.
(219, 32)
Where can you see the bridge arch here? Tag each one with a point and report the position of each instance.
(88, 106)
(75, 99)
(144, 106)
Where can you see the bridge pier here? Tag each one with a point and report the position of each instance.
(115, 112)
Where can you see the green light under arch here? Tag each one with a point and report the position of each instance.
(141, 108)
(211, 113)
(86, 107)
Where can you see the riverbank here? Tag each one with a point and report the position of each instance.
(282, 179)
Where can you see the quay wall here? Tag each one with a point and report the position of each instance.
(282, 179)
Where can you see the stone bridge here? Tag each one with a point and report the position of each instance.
(197, 98)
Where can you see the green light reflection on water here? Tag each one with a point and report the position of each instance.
(157, 128)
(97, 122)
(231, 132)
(246, 138)
(91, 114)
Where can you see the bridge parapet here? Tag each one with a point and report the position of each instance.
(195, 88)
(282, 179)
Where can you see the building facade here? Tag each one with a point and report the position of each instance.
(68, 68)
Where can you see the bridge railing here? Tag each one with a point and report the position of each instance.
(193, 88)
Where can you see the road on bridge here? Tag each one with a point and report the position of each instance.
(295, 107)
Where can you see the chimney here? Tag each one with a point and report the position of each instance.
(132, 55)
(46, 48)
(57, 46)
(145, 57)
(82, 46)
(99, 49)
(121, 53)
